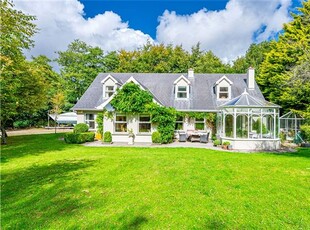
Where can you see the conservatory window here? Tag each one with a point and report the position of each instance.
(90, 120)
(199, 124)
(229, 126)
(109, 90)
(242, 126)
(179, 123)
(120, 123)
(223, 93)
(144, 124)
(181, 91)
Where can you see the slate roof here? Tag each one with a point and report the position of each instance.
(246, 100)
(202, 92)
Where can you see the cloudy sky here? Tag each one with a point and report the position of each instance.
(225, 27)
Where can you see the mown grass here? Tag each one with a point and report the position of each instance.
(47, 184)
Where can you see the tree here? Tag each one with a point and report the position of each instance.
(296, 91)
(80, 64)
(289, 51)
(58, 101)
(22, 86)
(209, 63)
(254, 57)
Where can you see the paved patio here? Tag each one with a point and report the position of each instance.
(175, 144)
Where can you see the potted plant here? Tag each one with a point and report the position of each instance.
(131, 137)
(216, 142)
(225, 144)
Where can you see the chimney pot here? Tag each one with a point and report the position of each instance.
(251, 78)
(190, 73)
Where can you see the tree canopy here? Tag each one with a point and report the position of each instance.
(286, 58)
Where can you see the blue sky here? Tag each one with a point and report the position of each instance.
(226, 27)
(143, 15)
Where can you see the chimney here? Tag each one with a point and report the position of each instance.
(251, 78)
(190, 73)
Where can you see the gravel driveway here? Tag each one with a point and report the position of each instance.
(35, 131)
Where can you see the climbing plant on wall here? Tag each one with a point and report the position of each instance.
(131, 99)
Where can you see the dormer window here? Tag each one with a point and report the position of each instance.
(182, 91)
(181, 87)
(109, 90)
(223, 88)
(223, 93)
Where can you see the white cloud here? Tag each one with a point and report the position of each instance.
(228, 32)
(60, 22)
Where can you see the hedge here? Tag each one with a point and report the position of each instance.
(81, 128)
(78, 138)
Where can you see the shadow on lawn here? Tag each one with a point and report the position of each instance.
(37, 196)
(19, 146)
(301, 152)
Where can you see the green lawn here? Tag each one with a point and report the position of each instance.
(47, 184)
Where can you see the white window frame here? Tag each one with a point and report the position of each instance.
(180, 122)
(108, 91)
(120, 122)
(200, 122)
(178, 91)
(144, 122)
(88, 120)
(223, 92)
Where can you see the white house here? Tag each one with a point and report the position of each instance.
(188, 92)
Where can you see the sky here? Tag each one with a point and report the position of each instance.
(226, 27)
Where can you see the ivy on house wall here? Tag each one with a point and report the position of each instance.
(131, 99)
(210, 118)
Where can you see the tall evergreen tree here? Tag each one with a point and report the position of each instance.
(290, 50)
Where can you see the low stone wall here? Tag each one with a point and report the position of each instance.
(254, 144)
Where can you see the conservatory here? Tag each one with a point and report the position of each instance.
(249, 123)
(290, 124)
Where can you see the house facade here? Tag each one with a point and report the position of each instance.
(187, 92)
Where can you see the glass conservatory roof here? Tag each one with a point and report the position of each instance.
(246, 100)
(291, 115)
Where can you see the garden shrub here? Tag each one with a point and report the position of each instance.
(86, 137)
(156, 138)
(216, 142)
(107, 137)
(21, 124)
(70, 138)
(305, 132)
(78, 138)
(81, 128)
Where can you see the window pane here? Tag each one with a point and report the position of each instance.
(110, 88)
(223, 95)
(242, 126)
(199, 119)
(144, 127)
(91, 124)
(178, 126)
(229, 126)
(121, 127)
(199, 126)
(223, 89)
(89, 116)
(120, 118)
(182, 88)
(145, 118)
(182, 95)
(108, 94)
(179, 118)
